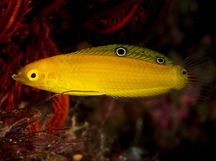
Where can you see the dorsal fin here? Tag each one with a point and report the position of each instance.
(134, 52)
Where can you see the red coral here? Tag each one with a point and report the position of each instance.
(52, 7)
(11, 18)
(40, 45)
(134, 19)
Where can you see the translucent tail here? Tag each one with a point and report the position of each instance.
(200, 71)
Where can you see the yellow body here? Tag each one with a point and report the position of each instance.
(100, 71)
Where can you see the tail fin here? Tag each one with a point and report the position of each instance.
(200, 71)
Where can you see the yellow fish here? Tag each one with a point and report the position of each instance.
(113, 70)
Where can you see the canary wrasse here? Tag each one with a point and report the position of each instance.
(113, 70)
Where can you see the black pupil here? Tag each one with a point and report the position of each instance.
(121, 51)
(33, 75)
(16, 73)
(160, 60)
(184, 72)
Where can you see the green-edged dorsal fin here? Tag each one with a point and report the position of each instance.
(127, 51)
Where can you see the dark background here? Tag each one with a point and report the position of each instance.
(175, 127)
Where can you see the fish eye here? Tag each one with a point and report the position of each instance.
(184, 72)
(121, 51)
(16, 73)
(32, 75)
(160, 60)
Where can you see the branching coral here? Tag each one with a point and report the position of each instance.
(136, 19)
(14, 100)
(11, 17)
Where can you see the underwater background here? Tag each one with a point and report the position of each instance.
(35, 125)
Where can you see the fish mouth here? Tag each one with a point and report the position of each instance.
(14, 76)
(17, 77)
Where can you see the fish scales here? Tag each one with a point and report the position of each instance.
(111, 76)
(114, 70)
